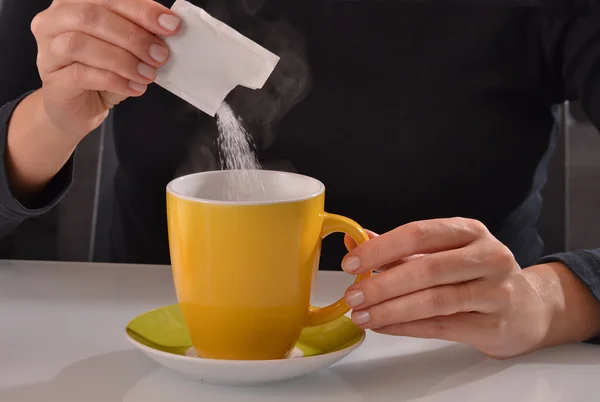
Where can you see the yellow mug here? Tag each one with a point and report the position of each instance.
(243, 270)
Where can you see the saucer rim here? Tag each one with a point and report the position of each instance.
(347, 350)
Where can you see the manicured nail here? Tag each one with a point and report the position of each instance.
(141, 88)
(147, 71)
(362, 317)
(351, 264)
(159, 53)
(168, 22)
(355, 298)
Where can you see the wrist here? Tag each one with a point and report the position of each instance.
(35, 148)
(70, 136)
(572, 313)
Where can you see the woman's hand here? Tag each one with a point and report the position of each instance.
(451, 279)
(93, 54)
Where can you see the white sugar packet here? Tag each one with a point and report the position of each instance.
(208, 59)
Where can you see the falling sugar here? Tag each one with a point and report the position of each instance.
(236, 153)
(234, 141)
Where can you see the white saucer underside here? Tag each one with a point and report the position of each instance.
(237, 372)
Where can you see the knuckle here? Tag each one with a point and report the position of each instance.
(39, 62)
(476, 227)
(430, 269)
(378, 289)
(143, 13)
(416, 230)
(377, 254)
(36, 24)
(69, 43)
(463, 297)
(140, 11)
(506, 293)
(504, 255)
(372, 254)
(112, 82)
(474, 254)
(88, 15)
(382, 316)
(398, 329)
(122, 62)
(435, 327)
(414, 234)
(501, 258)
(437, 302)
(134, 34)
(138, 39)
(78, 72)
(108, 3)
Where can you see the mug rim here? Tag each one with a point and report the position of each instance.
(190, 176)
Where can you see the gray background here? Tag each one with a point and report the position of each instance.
(583, 183)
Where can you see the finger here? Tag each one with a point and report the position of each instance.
(424, 237)
(444, 268)
(86, 78)
(351, 244)
(147, 14)
(402, 261)
(102, 24)
(439, 301)
(462, 327)
(73, 47)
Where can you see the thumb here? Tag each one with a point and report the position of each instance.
(112, 99)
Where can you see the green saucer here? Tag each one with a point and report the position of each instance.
(163, 329)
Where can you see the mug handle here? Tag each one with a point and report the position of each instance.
(334, 224)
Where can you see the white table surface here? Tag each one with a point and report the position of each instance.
(61, 340)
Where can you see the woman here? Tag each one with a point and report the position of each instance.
(416, 112)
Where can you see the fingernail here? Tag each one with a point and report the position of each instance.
(146, 71)
(361, 317)
(141, 88)
(168, 22)
(355, 298)
(351, 264)
(159, 53)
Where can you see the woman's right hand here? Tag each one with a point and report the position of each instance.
(93, 54)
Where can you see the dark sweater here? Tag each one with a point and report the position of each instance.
(416, 111)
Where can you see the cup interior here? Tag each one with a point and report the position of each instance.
(245, 187)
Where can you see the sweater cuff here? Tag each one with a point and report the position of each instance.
(585, 264)
(48, 198)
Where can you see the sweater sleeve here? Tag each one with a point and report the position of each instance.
(573, 54)
(12, 212)
(18, 78)
(585, 264)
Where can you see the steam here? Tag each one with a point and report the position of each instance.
(265, 22)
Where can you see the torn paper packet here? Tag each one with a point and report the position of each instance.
(208, 59)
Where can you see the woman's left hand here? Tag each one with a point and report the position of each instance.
(448, 279)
